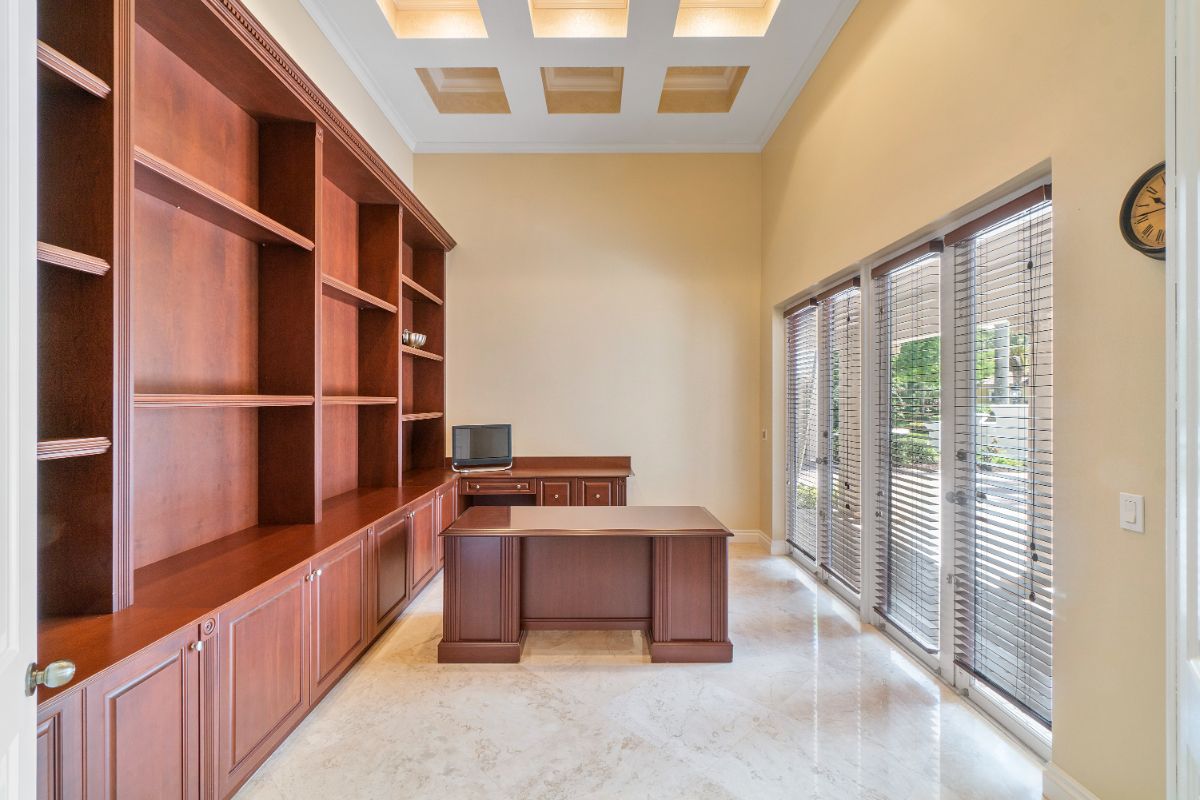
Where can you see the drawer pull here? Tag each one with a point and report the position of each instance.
(555, 497)
(596, 495)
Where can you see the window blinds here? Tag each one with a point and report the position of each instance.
(802, 420)
(1003, 465)
(840, 547)
(907, 448)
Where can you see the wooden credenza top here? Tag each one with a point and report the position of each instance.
(587, 521)
(560, 467)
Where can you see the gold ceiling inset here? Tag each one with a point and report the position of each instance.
(724, 17)
(571, 19)
(700, 90)
(583, 90)
(465, 90)
(434, 19)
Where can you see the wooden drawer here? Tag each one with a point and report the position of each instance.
(481, 486)
(598, 492)
(555, 493)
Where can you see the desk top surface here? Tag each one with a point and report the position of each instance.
(587, 521)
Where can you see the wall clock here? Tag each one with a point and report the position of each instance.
(1144, 213)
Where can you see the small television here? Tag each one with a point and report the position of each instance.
(482, 447)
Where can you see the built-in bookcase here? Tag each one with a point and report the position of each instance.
(225, 271)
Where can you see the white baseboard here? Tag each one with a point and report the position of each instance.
(1058, 785)
(762, 540)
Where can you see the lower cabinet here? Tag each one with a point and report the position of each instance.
(143, 724)
(387, 543)
(60, 748)
(422, 543)
(263, 687)
(338, 612)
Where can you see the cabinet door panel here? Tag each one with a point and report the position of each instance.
(597, 492)
(264, 674)
(339, 612)
(555, 493)
(389, 570)
(143, 725)
(60, 748)
(424, 547)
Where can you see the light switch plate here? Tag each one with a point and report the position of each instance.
(1133, 512)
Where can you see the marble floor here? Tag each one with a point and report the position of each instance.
(814, 706)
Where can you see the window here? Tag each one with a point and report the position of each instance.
(841, 511)
(1002, 460)
(802, 420)
(908, 493)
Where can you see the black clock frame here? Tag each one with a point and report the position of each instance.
(1127, 212)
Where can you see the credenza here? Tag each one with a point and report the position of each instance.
(228, 646)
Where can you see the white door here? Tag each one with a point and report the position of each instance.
(1183, 413)
(18, 414)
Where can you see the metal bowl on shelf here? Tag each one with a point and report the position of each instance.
(413, 339)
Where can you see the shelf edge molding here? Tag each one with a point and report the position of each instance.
(220, 400)
(71, 259)
(415, 291)
(412, 351)
(340, 290)
(71, 71)
(55, 449)
(173, 185)
(357, 400)
(417, 417)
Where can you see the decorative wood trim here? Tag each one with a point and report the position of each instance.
(357, 400)
(412, 351)
(71, 259)
(415, 291)
(73, 72)
(422, 416)
(339, 290)
(268, 49)
(122, 277)
(908, 257)
(691, 652)
(220, 400)
(720, 589)
(510, 590)
(588, 624)
(175, 186)
(53, 449)
(1010, 209)
(661, 570)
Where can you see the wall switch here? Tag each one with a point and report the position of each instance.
(1133, 512)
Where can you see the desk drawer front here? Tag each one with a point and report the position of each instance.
(598, 492)
(556, 493)
(482, 486)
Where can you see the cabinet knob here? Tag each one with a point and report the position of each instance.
(475, 486)
(309, 577)
(596, 495)
(55, 674)
(555, 497)
(318, 573)
(196, 646)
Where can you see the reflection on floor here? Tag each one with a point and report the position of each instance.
(813, 706)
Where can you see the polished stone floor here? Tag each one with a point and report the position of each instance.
(814, 706)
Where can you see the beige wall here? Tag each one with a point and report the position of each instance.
(290, 23)
(923, 106)
(607, 305)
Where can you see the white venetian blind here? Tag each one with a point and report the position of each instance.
(802, 420)
(907, 446)
(1003, 452)
(840, 547)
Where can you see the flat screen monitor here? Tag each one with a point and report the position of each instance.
(482, 446)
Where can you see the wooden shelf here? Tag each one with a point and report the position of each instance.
(421, 416)
(71, 259)
(220, 400)
(54, 449)
(415, 291)
(412, 351)
(172, 185)
(65, 68)
(340, 290)
(357, 400)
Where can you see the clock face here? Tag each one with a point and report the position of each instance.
(1144, 213)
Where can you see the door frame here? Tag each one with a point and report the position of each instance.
(18, 394)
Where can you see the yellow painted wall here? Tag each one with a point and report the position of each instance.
(290, 23)
(919, 108)
(608, 305)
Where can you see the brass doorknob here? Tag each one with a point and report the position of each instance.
(55, 674)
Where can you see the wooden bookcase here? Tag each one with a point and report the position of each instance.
(225, 272)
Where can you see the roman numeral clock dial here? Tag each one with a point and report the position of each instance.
(1144, 213)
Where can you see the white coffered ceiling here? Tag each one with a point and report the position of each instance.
(500, 75)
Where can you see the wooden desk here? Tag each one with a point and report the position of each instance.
(659, 569)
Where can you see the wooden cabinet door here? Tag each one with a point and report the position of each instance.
(60, 748)
(142, 724)
(338, 613)
(554, 493)
(423, 544)
(263, 683)
(389, 570)
(597, 492)
(447, 512)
